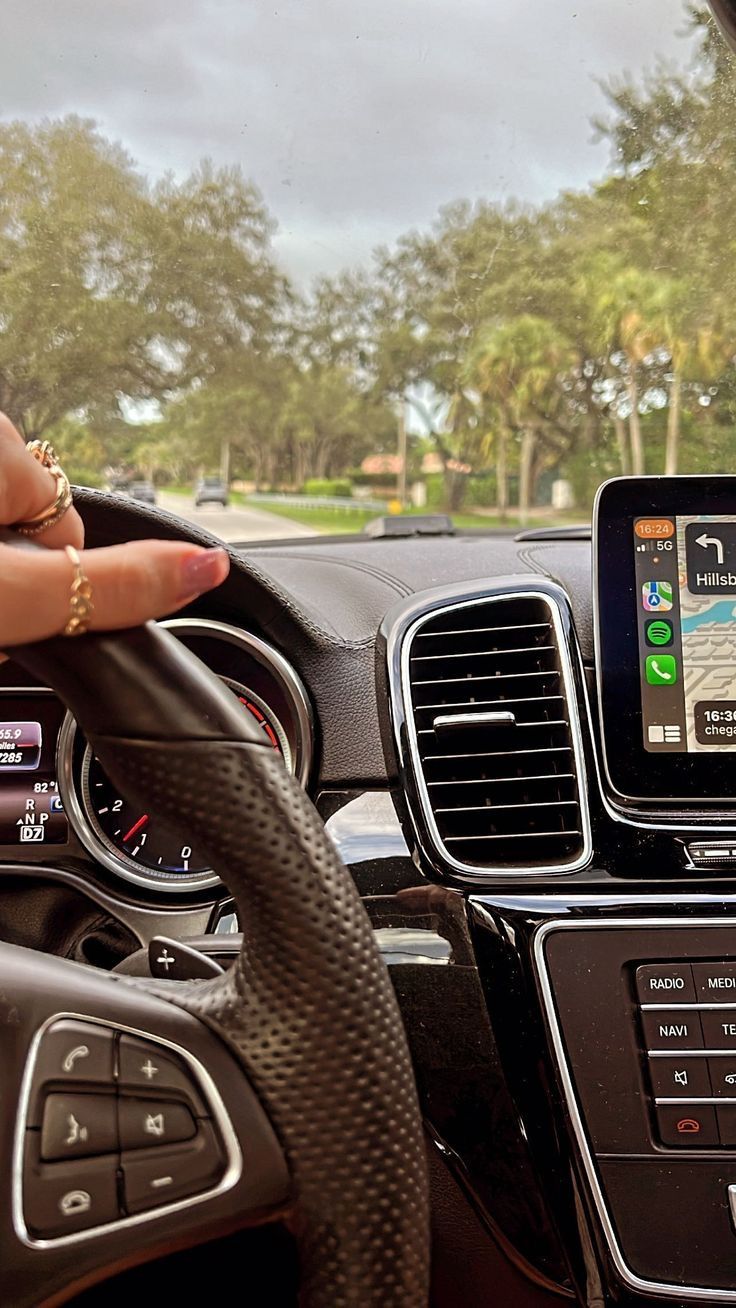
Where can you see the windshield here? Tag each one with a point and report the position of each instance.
(347, 261)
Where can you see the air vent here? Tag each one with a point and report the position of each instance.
(488, 690)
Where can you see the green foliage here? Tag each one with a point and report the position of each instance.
(592, 335)
(328, 486)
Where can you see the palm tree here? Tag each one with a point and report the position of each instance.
(517, 367)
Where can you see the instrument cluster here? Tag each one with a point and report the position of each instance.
(54, 791)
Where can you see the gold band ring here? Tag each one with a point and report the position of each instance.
(43, 452)
(80, 601)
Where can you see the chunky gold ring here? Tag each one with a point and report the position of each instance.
(80, 602)
(43, 452)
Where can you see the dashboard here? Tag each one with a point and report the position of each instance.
(543, 828)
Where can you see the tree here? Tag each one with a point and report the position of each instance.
(112, 290)
(518, 365)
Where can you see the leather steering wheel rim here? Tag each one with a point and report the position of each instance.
(308, 1009)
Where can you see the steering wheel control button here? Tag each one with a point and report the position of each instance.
(672, 1030)
(71, 1052)
(63, 1198)
(719, 1028)
(665, 983)
(715, 983)
(144, 1064)
(680, 1078)
(172, 960)
(727, 1124)
(146, 1122)
(153, 1179)
(688, 1126)
(77, 1126)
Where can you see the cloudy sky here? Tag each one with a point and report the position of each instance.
(356, 118)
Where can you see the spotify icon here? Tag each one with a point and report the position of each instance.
(659, 632)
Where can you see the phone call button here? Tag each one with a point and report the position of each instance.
(74, 1053)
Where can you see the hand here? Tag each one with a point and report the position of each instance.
(130, 583)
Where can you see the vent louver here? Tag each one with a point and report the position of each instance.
(498, 760)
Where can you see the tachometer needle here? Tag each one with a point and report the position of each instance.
(135, 829)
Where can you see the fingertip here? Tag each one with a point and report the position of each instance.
(203, 571)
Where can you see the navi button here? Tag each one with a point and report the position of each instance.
(674, 1030)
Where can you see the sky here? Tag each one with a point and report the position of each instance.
(357, 119)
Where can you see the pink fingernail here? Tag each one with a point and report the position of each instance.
(203, 571)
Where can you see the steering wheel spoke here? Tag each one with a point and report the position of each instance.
(135, 1128)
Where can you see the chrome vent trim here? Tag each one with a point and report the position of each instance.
(562, 761)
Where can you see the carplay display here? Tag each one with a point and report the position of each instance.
(686, 584)
(665, 596)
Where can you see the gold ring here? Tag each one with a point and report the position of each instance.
(43, 452)
(80, 601)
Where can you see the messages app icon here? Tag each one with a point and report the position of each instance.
(656, 596)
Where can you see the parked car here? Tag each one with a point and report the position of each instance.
(211, 490)
(143, 490)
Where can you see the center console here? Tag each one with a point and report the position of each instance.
(648, 1066)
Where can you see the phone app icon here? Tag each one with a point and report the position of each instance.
(656, 596)
(661, 669)
(658, 632)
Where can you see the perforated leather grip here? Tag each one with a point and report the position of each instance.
(309, 1008)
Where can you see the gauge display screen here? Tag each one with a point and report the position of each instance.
(140, 839)
(31, 811)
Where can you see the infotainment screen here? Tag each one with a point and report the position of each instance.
(666, 636)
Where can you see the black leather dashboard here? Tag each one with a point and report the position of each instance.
(322, 605)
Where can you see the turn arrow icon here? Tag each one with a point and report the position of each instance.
(704, 541)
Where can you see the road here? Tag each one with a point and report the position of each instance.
(235, 522)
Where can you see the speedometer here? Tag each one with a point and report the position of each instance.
(133, 842)
(141, 840)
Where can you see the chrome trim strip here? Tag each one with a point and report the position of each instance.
(82, 824)
(672, 1290)
(722, 1099)
(659, 1008)
(202, 1077)
(446, 721)
(467, 870)
(289, 678)
(691, 1053)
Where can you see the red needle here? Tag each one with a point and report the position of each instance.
(135, 829)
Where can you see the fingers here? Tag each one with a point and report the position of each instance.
(27, 489)
(130, 584)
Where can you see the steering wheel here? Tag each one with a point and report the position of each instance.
(155, 1115)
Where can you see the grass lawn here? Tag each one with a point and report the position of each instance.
(341, 521)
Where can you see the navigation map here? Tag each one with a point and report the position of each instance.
(708, 621)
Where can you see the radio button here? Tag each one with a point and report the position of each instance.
(715, 983)
(682, 1078)
(690, 1126)
(673, 1030)
(719, 1028)
(665, 983)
